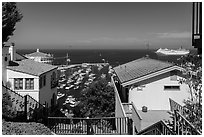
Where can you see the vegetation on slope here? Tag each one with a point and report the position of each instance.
(23, 128)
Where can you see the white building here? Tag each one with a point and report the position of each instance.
(40, 57)
(149, 82)
(143, 88)
(36, 79)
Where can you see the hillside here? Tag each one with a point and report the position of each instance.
(22, 128)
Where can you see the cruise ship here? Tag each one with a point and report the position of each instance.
(178, 52)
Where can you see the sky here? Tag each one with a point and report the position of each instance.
(103, 25)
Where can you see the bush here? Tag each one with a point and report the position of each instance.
(8, 112)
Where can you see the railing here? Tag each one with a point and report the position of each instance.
(119, 110)
(175, 106)
(159, 128)
(127, 108)
(27, 108)
(34, 110)
(182, 126)
(97, 126)
(132, 112)
(14, 100)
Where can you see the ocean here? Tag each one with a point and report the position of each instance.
(114, 57)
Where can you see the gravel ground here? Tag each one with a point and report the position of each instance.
(22, 128)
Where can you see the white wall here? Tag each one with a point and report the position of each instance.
(153, 94)
(42, 95)
(14, 74)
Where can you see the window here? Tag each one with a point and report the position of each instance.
(18, 83)
(44, 80)
(29, 83)
(53, 80)
(40, 82)
(171, 87)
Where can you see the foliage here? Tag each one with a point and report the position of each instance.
(10, 16)
(8, 112)
(24, 128)
(96, 101)
(193, 78)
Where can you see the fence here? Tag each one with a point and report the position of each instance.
(175, 106)
(182, 126)
(97, 126)
(14, 100)
(27, 108)
(159, 128)
(34, 110)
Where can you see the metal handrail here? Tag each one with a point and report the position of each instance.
(176, 106)
(84, 118)
(160, 126)
(183, 121)
(100, 125)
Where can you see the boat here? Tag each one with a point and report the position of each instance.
(178, 52)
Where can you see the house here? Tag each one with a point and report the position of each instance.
(149, 82)
(143, 88)
(39, 80)
(41, 57)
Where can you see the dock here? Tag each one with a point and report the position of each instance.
(61, 67)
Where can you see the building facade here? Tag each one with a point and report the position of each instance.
(41, 57)
(150, 83)
(36, 79)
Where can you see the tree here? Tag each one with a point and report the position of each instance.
(97, 100)
(193, 78)
(10, 16)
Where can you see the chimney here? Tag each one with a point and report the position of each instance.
(38, 50)
(12, 52)
(144, 109)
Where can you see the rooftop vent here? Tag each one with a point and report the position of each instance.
(144, 109)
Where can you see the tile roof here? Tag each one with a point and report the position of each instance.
(38, 54)
(31, 67)
(152, 116)
(138, 68)
(20, 57)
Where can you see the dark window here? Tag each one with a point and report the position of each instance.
(171, 87)
(40, 82)
(29, 83)
(44, 80)
(5, 58)
(53, 80)
(18, 83)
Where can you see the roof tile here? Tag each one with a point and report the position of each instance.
(139, 68)
(31, 67)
